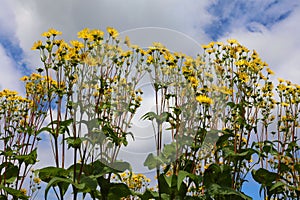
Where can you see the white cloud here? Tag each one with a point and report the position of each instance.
(279, 46)
(24, 21)
(9, 76)
(34, 17)
(7, 22)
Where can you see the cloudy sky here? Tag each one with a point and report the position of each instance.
(270, 26)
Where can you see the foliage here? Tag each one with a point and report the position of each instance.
(226, 117)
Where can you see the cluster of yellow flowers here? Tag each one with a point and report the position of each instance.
(136, 182)
(38, 86)
(201, 87)
(204, 99)
(11, 102)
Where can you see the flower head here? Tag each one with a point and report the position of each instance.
(270, 71)
(37, 180)
(204, 99)
(51, 32)
(23, 191)
(84, 34)
(96, 34)
(37, 45)
(232, 41)
(24, 78)
(54, 32)
(112, 32)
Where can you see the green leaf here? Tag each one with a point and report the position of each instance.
(148, 194)
(11, 172)
(48, 173)
(7, 153)
(90, 183)
(13, 192)
(118, 190)
(218, 192)
(46, 129)
(74, 142)
(168, 180)
(152, 161)
(224, 139)
(29, 159)
(231, 104)
(91, 124)
(182, 175)
(216, 174)
(59, 181)
(120, 166)
(169, 151)
(277, 188)
(149, 116)
(264, 177)
(243, 154)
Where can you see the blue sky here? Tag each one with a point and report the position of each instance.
(270, 26)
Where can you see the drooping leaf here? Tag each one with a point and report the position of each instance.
(13, 192)
(182, 175)
(277, 188)
(11, 172)
(74, 142)
(48, 173)
(118, 190)
(29, 159)
(218, 192)
(63, 183)
(152, 161)
(149, 116)
(264, 176)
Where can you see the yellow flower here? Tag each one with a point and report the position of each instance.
(37, 45)
(51, 32)
(232, 41)
(112, 32)
(219, 43)
(90, 61)
(205, 46)
(37, 180)
(241, 62)
(270, 71)
(169, 173)
(54, 32)
(188, 62)
(35, 76)
(209, 51)
(76, 44)
(139, 98)
(46, 34)
(243, 77)
(226, 90)
(127, 41)
(179, 55)
(204, 99)
(158, 45)
(280, 80)
(194, 82)
(281, 87)
(206, 166)
(149, 59)
(24, 78)
(97, 34)
(23, 191)
(284, 104)
(168, 56)
(84, 34)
